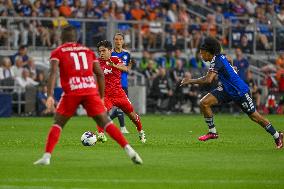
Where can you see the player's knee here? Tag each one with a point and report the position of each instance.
(204, 103)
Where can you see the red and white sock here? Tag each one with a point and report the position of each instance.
(115, 133)
(100, 129)
(138, 123)
(53, 137)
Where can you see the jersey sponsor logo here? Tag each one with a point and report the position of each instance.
(82, 82)
(107, 71)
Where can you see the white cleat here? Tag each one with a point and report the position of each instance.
(45, 160)
(124, 130)
(142, 136)
(134, 156)
(137, 159)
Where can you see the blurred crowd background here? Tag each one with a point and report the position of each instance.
(163, 38)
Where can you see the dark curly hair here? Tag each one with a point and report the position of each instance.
(211, 45)
(105, 43)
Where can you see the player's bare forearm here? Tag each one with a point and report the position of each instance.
(121, 67)
(52, 77)
(100, 79)
(200, 81)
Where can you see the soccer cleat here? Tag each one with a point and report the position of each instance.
(133, 155)
(142, 136)
(279, 141)
(101, 137)
(45, 160)
(137, 159)
(208, 136)
(124, 130)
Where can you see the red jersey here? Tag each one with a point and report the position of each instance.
(112, 76)
(76, 68)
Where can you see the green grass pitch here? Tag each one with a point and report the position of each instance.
(244, 156)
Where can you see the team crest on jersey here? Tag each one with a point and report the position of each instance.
(107, 71)
(124, 57)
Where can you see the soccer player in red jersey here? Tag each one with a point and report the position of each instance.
(112, 67)
(77, 65)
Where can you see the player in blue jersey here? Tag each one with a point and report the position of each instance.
(126, 59)
(233, 88)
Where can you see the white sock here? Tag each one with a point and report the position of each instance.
(46, 155)
(129, 150)
(276, 135)
(213, 130)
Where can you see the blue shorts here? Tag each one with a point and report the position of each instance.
(245, 102)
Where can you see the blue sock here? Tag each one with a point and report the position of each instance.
(211, 125)
(270, 129)
(120, 116)
(114, 114)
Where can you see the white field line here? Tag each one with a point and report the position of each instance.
(143, 181)
(34, 187)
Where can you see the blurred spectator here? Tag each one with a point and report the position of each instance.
(150, 73)
(209, 27)
(245, 46)
(6, 69)
(17, 69)
(41, 79)
(178, 57)
(167, 61)
(196, 61)
(137, 12)
(280, 61)
(177, 75)
(280, 17)
(280, 109)
(156, 30)
(173, 13)
(22, 53)
(280, 79)
(171, 43)
(161, 91)
(254, 89)
(32, 68)
(242, 64)
(238, 7)
(250, 7)
(58, 22)
(144, 60)
(41, 101)
(190, 93)
(25, 80)
(65, 9)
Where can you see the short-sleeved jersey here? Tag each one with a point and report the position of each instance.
(112, 76)
(229, 78)
(76, 69)
(125, 57)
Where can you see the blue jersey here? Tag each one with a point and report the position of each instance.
(231, 81)
(125, 57)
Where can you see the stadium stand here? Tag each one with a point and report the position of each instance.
(163, 36)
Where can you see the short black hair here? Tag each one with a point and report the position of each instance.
(69, 34)
(118, 33)
(211, 45)
(23, 47)
(105, 43)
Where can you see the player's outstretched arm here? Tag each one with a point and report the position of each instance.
(207, 79)
(51, 84)
(121, 67)
(100, 78)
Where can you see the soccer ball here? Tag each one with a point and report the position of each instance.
(89, 138)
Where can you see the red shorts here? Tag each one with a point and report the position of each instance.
(68, 105)
(121, 102)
